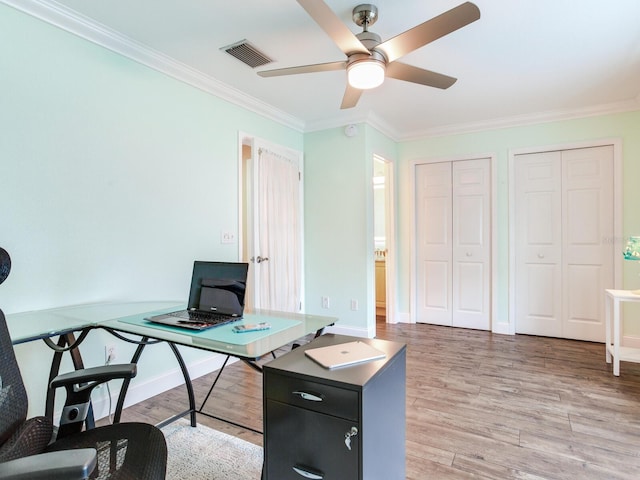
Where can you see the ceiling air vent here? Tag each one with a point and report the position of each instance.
(247, 54)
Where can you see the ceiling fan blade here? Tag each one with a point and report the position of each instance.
(333, 26)
(318, 67)
(431, 30)
(409, 73)
(351, 97)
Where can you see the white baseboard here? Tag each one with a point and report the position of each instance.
(631, 341)
(403, 317)
(502, 328)
(351, 331)
(140, 391)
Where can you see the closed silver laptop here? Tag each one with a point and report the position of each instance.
(344, 354)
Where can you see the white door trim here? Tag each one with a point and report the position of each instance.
(617, 206)
(496, 326)
(391, 313)
(245, 224)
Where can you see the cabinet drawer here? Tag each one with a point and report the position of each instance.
(313, 396)
(299, 440)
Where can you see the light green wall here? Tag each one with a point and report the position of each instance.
(339, 203)
(339, 223)
(335, 220)
(114, 178)
(108, 166)
(625, 126)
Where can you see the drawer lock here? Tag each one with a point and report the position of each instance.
(347, 436)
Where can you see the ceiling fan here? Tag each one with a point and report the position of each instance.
(368, 58)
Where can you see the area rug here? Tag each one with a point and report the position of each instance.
(202, 453)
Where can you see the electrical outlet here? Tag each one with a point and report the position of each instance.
(325, 302)
(354, 304)
(110, 354)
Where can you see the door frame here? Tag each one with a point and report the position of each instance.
(496, 327)
(391, 314)
(616, 143)
(246, 220)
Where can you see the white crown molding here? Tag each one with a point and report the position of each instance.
(71, 21)
(523, 120)
(84, 27)
(370, 119)
(384, 127)
(463, 128)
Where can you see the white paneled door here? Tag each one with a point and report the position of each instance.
(453, 243)
(563, 249)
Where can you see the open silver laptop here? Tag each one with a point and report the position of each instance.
(216, 297)
(344, 354)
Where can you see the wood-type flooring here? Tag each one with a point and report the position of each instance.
(479, 406)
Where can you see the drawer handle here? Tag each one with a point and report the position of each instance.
(307, 473)
(308, 396)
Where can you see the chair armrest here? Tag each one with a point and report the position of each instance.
(95, 375)
(62, 465)
(79, 384)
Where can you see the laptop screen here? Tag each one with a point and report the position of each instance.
(218, 287)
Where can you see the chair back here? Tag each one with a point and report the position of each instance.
(19, 437)
(13, 396)
(127, 451)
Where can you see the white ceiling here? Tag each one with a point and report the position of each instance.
(523, 61)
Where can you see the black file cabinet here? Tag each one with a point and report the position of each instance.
(339, 424)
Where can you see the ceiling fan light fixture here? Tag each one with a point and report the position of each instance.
(366, 74)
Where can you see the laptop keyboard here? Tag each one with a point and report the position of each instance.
(201, 317)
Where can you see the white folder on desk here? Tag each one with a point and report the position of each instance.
(344, 354)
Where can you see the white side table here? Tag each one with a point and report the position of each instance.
(612, 301)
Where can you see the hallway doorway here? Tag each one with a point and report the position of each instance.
(383, 238)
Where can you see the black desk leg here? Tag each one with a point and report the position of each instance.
(214, 383)
(53, 372)
(125, 383)
(78, 364)
(187, 382)
(185, 373)
(252, 364)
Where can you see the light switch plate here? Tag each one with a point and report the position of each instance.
(227, 237)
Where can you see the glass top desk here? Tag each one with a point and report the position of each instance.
(38, 324)
(129, 318)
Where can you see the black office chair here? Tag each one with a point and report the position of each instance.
(28, 449)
